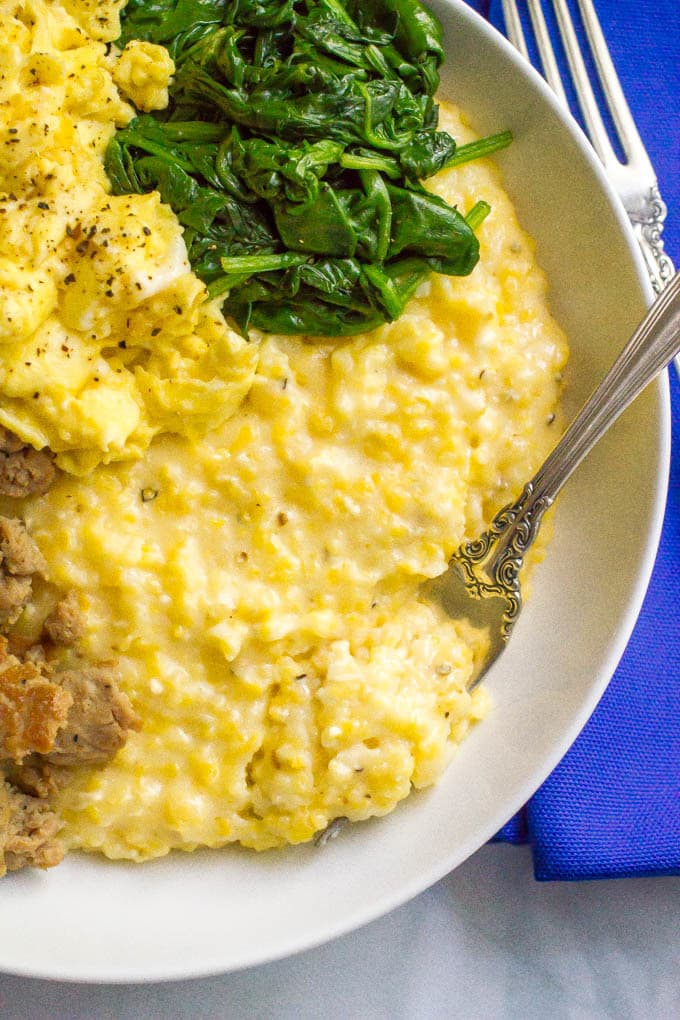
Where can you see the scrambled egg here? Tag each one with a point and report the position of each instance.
(143, 73)
(106, 339)
(258, 583)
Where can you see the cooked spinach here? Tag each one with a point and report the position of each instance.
(293, 150)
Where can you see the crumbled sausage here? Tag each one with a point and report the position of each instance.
(51, 718)
(20, 554)
(28, 832)
(23, 470)
(47, 724)
(77, 716)
(65, 625)
(9, 443)
(36, 776)
(20, 559)
(32, 707)
(99, 721)
(14, 595)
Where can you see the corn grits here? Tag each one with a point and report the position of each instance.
(258, 582)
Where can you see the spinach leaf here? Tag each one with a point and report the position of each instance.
(293, 150)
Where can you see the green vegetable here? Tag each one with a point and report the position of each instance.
(478, 214)
(480, 148)
(293, 150)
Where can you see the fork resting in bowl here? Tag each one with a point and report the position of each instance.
(482, 582)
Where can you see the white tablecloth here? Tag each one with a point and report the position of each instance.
(486, 942)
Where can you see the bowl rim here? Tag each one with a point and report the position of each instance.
(394, 898)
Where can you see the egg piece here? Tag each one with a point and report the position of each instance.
(27, 298)
(142, 72)
(107, 338)
(100, 19)
(129, 248)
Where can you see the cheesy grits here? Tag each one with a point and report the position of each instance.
(248, 524)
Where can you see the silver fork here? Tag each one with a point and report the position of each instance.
(482, 580)
(634, 180)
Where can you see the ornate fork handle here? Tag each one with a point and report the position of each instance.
(491, 564)
(647, 218)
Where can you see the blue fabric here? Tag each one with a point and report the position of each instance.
(612, 806)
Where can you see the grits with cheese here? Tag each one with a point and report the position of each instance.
(248, 524)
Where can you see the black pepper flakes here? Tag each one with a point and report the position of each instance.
(148, 495)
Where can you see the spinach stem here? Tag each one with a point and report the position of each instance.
(480, 148)
(350, 161)
(477, 214)
(262, 263)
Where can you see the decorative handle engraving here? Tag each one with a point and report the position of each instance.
(648, 219)
(491, 564)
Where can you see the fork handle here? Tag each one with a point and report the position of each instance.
(499, 553)
(647, 218)
(652, 346)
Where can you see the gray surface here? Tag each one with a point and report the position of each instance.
(486, 942)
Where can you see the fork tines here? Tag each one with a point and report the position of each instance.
(611, 88)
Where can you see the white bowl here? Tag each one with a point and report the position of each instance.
(211, 912)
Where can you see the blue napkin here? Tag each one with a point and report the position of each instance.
(612, 806)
